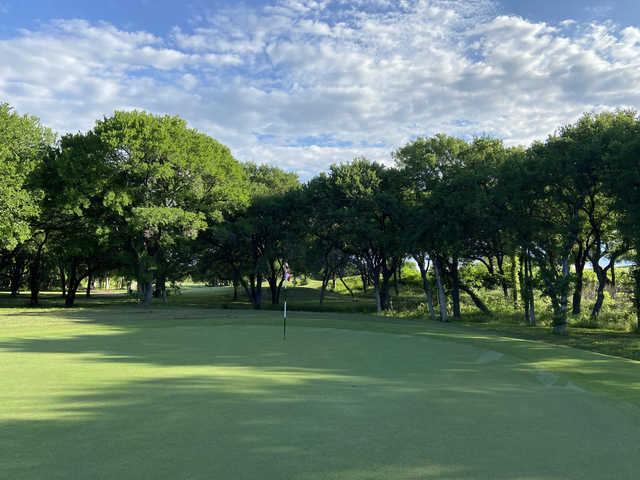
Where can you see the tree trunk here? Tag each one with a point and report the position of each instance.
(279, 289)
(577, 293)
(253, 289)
(89, 285)
(635, 272)
(527, 290)
(455, 291)
(601, 275)
(16, 275)
(71, 296)
(363, 277)
(441, 297)
(376, 288)
(613, 280)
(63, 281)
(503, 278)
(34, 282)
(235, 290)
(375, 280)
(273, 288)
(395, 282)
(346, 286)
(476, 300)
(560, 304)
(145, 287)
(147, 293)
(597, 306)
(514, 286)
(74, 284)
(387, 273)
(580, 259)
(424, 268)
(524, 291)
(35, 273)
(560, 328)
(385, 297)
(323, 287)
(257, 291)
(532, 305)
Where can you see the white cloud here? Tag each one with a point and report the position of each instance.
(306, 83)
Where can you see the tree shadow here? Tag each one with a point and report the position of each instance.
(215, 400)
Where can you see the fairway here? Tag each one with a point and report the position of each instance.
(204, 394)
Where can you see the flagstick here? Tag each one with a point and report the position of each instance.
(287, 275)
(284, 323)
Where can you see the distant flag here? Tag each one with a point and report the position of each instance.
(287, 275)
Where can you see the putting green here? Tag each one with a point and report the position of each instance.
(202, 401)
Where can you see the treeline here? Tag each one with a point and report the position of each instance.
(145, 197)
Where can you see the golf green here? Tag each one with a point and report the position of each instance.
(143, 397)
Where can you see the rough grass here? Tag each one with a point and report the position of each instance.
(125, 392)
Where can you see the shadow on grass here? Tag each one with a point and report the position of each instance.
(238, 402)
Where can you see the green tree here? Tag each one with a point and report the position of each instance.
(548, 202)
(424, 163)
(622, 182)
(170, 181)
(323, 216)
(450, 186)
(253, 243)
(589, 143)
(24, 143)
(374, 220)
(85, 235)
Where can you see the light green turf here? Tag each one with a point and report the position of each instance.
(205, 394)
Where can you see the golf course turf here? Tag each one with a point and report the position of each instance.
(218, 394)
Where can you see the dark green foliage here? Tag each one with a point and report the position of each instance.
(145, 197)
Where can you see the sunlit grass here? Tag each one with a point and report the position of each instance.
(126, 392)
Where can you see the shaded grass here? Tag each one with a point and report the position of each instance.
(410, 304)
(126, 392)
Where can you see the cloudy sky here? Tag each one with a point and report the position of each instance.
(303, 84)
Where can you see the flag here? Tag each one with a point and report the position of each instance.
(287, 275)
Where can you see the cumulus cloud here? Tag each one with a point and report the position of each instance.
(306, 83)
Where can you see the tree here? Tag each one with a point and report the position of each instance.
(373, 221)
(589, 142)
(24, 143)
(324, 217)
(622, 182)
(252, 242)
(85, 236)
(425, 162)
(272, 216)
(547, 202)
(451, 185)
(170, 181)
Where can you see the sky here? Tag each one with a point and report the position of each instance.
(303, 84)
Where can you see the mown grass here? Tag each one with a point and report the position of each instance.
(111, 390)
(611, 335)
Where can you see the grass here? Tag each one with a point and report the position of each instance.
(124, 392)
(610, 337)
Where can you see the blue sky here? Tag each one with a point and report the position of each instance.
(305, 83)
